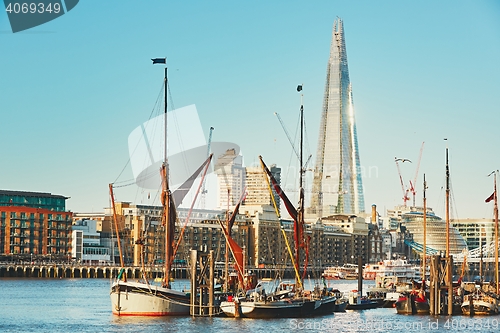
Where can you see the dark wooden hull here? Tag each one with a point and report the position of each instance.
(327, 306)
(263, 310)
(363, 305)
(340, 306)
(388, 304)
(410, 306)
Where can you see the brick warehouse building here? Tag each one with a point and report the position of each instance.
(34, 224)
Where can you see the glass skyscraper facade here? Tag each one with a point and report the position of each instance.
(337, 184)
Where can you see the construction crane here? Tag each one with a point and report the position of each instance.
(209, 141)
(412, 185)
(203, 190)
(405, 191)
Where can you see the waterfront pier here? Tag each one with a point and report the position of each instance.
(72, 270)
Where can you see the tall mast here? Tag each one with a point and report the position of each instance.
(449, 270)
(495, 211)
(447, 206)
(115, 219)
(226, 266)
(300, 216)
(481, 255)
(165, 81)
(424, 259)
(166, 199)
(301, 181)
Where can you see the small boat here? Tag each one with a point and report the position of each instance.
(480, 303)
(355, 302)
(283, 303)
(262, 309)
(384, 292)
(390, 300)
(325, 305)
(376, 295)
(340, 305)
(413, 302)
(145, 298)
(142, 299)
(340, 300)
(287, 300)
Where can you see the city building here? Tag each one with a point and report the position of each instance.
(257, 230)
(198, 229)
(258, 186)
(358, 230)
(337, 184)
(88, 247)
(475, 232)
(34, 225)
(230, 178)
(410, 220)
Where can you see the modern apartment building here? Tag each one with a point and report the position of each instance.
(35, 224)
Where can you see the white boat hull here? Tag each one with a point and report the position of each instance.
(480, 307)
(140, 299)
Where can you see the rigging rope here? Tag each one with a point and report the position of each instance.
(155, 107)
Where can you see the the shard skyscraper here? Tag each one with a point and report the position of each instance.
(337, 185)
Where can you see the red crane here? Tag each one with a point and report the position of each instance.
(412, 185)
(405, 191)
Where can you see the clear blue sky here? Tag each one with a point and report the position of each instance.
(73, 89)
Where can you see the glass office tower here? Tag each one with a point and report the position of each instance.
(337, 184)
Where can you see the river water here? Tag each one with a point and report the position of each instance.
(83, 305)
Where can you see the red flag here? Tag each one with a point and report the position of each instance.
(491, 197)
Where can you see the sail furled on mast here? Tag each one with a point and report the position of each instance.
(277, 188)
(237, 253)
(184, 190)
(298, 222)
(230, 223)
(168, 220)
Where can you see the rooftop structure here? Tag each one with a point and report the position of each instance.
(33, 199)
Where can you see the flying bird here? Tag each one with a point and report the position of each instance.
(403, 160)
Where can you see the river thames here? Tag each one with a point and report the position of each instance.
(83, 305)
